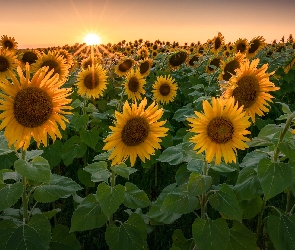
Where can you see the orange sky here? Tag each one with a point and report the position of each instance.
(38, 23)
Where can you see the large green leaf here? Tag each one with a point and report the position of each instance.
(7, 227)
(281, 231)
(34, 235)
(210, 234)
(73, 148)
(134, 197)
(9, 194)
(90, 137)
(38, 169)
(248, 185)
(79, 121)
(180, 201)
(63, 240)
(88, 215)
(110, 198)
(58, 187)
(225, 201)
(182, 113)
(52, 153)
(274, 177)
(123, 170)
(252, 159)
(251, 207)
(129, 235)
(288, 150)
(180, 242)
(198, 184)
(241, 238)
(99, 171)
(4, 149)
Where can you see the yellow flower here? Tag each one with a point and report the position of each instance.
(8, 62)
(92, 82)
(217, 43)
(255, 45)
(250, 87)
(8, 43)
(164, 89)
(134, 85)
(124, 66)
(241, 45)
(137, 132)
(144, 66)
(220, 130)
(29, 56)
(215, 61)
(177, 58)
(33, 108)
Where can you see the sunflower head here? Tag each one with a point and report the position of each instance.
(220, 130)
(217, 43)
(143, 52)
(215, 61)
(177, 58)
(33, 108)
(144, 66)
(8, 43)
(124, 66)
(164, 89)
(8, 62)
(255, 45)
(241, 45)
(137, 132)
(193, 60)
(29, 56)
(86, 62)
(134, 85)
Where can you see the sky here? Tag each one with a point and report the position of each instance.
(39, 23)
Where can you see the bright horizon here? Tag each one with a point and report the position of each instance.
(38, 24)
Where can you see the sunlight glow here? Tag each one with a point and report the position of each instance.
(92, 39)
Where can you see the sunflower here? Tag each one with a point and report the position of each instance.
(92, 81)
(124, 66)
(54, 61)
(144, 66)
(193, 60)
(154, 53)
(255, 45)
(67, 56)
(217, 43)
(215, 61)
(164, 89)
(8, 43)
(33, 108)
(249, 87)
(289, 66)
(88, 62)
(220, 131)
(134, 85)
(143, 52)
(29, 56)
(241, 45)
(8, 62)
(177, 58)
(137, 132)
(229, 66)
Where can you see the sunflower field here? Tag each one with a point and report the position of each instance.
(148, 145)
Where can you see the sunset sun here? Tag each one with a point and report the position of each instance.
(92, 39)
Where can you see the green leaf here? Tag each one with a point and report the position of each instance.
(38, 169)
(50, 214)
(34, 235)
(99, 171)
(211, 234)
(181, 242)
(241, 238)
(73, 148)
(32, 154)
(63, 240)
(134, 197)
(123, 170)
(7, 160)
(90, 137)
(248, 185)
(182, 175)
(85, 178)
(195, 165)
(52, 153)
(281, 231)
(269, 131)
(285, 108)
(288, 150)
(58, 187)
(110, 198)
(9, 194)
(102, 157)
(79, 121)
(180, 201)
(129, 235)
(155, 213)
(251, 207)
(198, 184)
(7, 227)
(252, 159)
(4, 149)
(224, 168)
(274, 177)
(182, 113)
(88, 215)
(225, 201)
(259, 142)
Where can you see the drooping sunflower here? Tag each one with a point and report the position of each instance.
(8, 43)
(217, 43)
(92, 82)
(177, 58)
(33, 108)
(193, 60)
(250, 87)
(144, 66)
(229, 66)
(134, 85)
(124, 66)
(8, 62)
(215, 61)
(54, 61)
(220, 130)
(164, 89)
(241, 45)
(137, 132)
(255, 45)
(29, 56)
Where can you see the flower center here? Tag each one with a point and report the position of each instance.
(144, 67)
(220, 130)
(193, 60)
(217, 43)
(52, 65)
(229, 69)
(164, 89)
(135, 131)
(241, 47)
(8, 44)
(32, 107)
(29, 57)
(215, 62)
(254, 46)
(133, 84)
(247, 91)
(91, 81)
(178, 58)
(4, 64)
(125, 66)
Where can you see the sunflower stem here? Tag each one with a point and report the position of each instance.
(204, 196)
(259, 223)
(288, 205)
(113, 183)
(24, 196)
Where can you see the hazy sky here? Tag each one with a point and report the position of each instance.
(38, 23)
